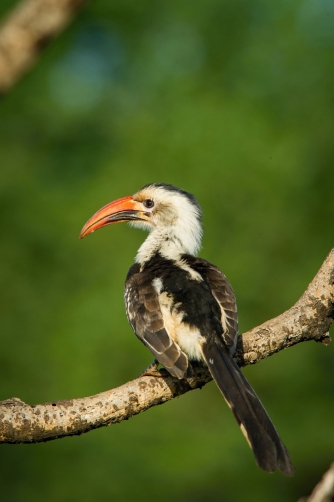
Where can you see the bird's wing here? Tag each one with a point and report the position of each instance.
(224, 294)
(145, 317)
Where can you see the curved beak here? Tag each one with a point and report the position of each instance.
(124, 209)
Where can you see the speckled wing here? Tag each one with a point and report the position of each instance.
(224, 294)
(145, 317)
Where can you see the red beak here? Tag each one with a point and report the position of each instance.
(125, 209)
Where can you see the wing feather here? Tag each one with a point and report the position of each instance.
(224, 294)
(146, 319)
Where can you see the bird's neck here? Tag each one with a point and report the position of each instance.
(171, 243)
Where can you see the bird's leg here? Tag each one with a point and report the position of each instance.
(151, 370)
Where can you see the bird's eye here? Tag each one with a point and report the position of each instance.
(149, 203)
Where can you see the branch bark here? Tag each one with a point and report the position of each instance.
(324, 490)
(27, 31)
(309, 319)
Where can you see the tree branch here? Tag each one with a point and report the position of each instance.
(27, 31)
(324, 490)
(309, 319)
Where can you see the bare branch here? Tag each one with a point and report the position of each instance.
(324, 490)
(309, 319)
(27, 30)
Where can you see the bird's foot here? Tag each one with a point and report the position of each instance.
(151, 370)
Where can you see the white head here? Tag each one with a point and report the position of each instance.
(172, 216)
(174, 220)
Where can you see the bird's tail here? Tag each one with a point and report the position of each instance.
(268, 448)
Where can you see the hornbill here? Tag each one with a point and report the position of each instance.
(184, 309)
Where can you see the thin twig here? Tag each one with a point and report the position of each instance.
(324, 490)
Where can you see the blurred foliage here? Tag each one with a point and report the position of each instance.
(232, 101)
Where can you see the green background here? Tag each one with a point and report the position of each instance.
(232, 101)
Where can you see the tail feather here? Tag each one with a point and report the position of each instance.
(268, 448)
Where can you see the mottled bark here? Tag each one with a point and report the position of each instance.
(27, 31)
(309, 319)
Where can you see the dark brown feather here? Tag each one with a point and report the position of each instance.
(268, 448)
(145, 317)
(224, 294)
(208, 304)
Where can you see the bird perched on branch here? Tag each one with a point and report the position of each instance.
(183, 308)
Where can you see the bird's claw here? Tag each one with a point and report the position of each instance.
(151, 370)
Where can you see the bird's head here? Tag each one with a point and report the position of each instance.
(173, 217)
